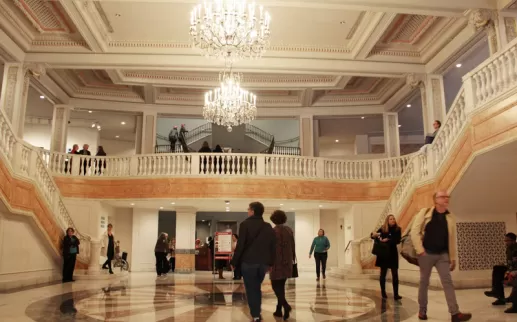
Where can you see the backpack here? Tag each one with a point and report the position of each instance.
(407, 249)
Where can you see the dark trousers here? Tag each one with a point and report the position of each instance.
(107, 263)
(498, 280)
(172, 261)
(321, 260)
(394, 279)
(253, 275)
(237, 272)
(161, 263)
(513, 295)
(68, 267)
(279, 289)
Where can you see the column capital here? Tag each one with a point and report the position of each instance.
(481, 18)
(415, 80)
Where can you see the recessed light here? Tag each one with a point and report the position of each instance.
(227, 202)
(123, 123)
(281, 204)
(337, 141)
(93, 125)
(41, 96)
(320, 206)
(132, 204)
(117, 136)
(161, 207)
(409, 105)
(400, 125)
(90, 112)
(173, 203)
(362, 117)
(458, 65)
(227, 210)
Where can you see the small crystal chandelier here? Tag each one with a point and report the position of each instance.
(229, 105)
(230, 30)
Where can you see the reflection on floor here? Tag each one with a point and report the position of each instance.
(192, 298)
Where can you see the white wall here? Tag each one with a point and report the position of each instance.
(26, 257)
(329, 221)
(118, 147)
(145, 234)
(86, 215)
(306, 226)
(123, 223)
(281, 129)
(39, 136)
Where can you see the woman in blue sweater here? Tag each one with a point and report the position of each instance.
(320, 246)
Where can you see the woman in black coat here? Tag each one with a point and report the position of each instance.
(70, 251)
(389, 233)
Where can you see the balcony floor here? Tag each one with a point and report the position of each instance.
(143, 297)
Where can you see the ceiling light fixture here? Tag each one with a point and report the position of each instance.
(173, 203)
(131, 204)
(362, 117)
(458, 65)
(117, 15)
(161, 207)
(281, 204)
(230, 105)
(116, 136)
(342, 22)
(41, 96)
(90, 112)
(230, 30)
(123, 123)
(337, 141)
(320, 206)
(227, 202)
(409, 105)
(400, 125)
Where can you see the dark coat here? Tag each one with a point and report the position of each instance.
(70, 242)
(257, 244)
(162, 245)
(285, 253)
(394, 235)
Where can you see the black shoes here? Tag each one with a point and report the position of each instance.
(287, 311)
(499, 302)
(397, 297)
(513, 309)
(278, 312)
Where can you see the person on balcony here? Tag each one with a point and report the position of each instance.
(108, 248)
(100, 164)
(205, 148)
(429, 138)
(389, 234)
(173, 137)
(499, 271)
(86, 164)
(320, 246)
(433, 234)
(68, 162)
(70, 252)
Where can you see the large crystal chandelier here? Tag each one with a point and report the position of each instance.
(230, 29)
(229, 105)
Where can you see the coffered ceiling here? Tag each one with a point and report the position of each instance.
(332, 57)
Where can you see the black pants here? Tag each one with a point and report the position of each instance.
(107, 263)
(498, 280)
(279, 289)
(68, 267)
(173, 146)
(513, 295)
(172, 261)
(237, 273)
(394, 279)
(321, 259)
(253, 275)
(162, 267)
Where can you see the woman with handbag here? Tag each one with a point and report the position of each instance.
(284, 261)
(385, 247)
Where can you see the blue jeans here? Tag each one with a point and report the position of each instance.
(253, 275)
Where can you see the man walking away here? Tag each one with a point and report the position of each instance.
(434, 237)
(255, 255)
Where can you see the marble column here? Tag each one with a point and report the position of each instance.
(94, 266)
(185, 239)
(307, 135)
(13, 99)
(139, 133)
(433, 101)
(391, 135)
(59, 131)
(306, 226)
(148, 132)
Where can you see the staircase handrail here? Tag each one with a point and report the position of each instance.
(191, 134)
(493, 79)
(253, 131)
(291, 140)
(27, 161)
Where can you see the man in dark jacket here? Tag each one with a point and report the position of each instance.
(255, 254)
(499, 271)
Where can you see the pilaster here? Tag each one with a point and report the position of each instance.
(13, 99)
(306, 226)
(489, 21)
(307, 135)
(59, 131)
(185, 239)
(138, 134)
(391, 135)
(148, 132)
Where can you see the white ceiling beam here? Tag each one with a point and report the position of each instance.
(98, 105)
(504, 4)
(422, 7)
(149, 94)
(11, 49)
(399, 98)
(199, 63)
(50, 88)
(84, 25)
(371, 36)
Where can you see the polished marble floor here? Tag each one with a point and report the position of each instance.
(193, 298)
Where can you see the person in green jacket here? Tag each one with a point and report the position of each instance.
(320, 246)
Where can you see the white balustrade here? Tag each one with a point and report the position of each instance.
(349, 170)
(291, 166)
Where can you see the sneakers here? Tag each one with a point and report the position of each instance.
(461, 317)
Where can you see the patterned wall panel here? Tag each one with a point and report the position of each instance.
(480, 245)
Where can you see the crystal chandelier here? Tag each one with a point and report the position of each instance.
(230, 29)
(229, 105)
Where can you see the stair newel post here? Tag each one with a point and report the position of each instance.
(357, 268)
(95, 252)
(133, 166)
(376, 169)
(76, 164)
(195, 168)
(320, 168)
